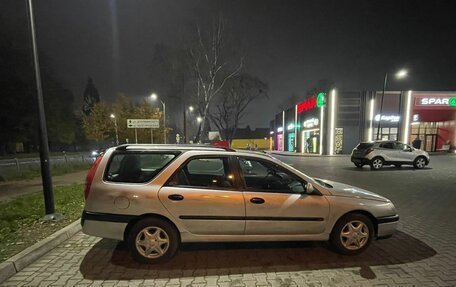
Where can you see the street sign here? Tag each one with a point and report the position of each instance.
(143, 123)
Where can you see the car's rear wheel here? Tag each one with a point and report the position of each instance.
(352, 234)
(376, 163)
(153, 240)
(420, 162)
(359, 165)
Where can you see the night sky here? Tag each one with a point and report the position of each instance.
(288, 44)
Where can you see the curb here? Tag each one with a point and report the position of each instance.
(29, 255)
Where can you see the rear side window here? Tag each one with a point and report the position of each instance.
(364, 146)
(211, 172)
(136, 167)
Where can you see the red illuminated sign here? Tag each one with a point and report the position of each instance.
(307, 105)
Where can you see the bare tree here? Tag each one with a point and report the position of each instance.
(239, 92)
(212, 68)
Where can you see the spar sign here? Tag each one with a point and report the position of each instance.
(437, 101)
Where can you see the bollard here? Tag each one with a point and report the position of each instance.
(18, 167)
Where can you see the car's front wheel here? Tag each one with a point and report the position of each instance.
(359, 165)
(420, 162)
(352, 234)
(153, 240)
(376, 163)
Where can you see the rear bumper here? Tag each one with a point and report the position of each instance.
(104, 225)
(386, 226)
(360, 160)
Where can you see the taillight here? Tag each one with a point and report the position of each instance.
(91, 175)
(369, 150)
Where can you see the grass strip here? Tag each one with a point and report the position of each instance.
(20, 224)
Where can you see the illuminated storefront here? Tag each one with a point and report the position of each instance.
(433, 117)
(335, 122)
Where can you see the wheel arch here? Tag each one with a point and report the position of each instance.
(363, 212)
(136, 219)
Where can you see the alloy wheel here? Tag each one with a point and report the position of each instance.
(420, 163)
(152, 242)
(377, 163)
(354, 235)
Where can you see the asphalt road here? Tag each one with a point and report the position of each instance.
(421, 253)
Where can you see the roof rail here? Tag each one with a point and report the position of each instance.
(176, 146)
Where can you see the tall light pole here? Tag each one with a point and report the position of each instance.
(115, 125)
(46, 176)
(154, 97)
(190, 109)
(399, 75)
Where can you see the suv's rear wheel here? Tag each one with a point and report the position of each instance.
(352, 234)
(376, 163)
(420, 162)
(153, 240)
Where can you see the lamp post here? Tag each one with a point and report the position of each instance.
(154, 97)
(46, 176)
(190, 109)
(115, 125)
(399, 75)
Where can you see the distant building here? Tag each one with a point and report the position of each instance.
(333, 122)
(247, 138)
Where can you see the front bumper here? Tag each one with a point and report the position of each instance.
(386, 226)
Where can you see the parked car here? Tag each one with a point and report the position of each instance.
(155, 197)
(94, 154)
(380, 153)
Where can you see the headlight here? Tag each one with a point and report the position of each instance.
(94, 152)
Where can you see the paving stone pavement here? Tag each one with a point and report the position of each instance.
(422, 252)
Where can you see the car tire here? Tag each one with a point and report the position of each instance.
(153, 240)
(419, 162)
(359, 165)
(376, 163)
(352, 234)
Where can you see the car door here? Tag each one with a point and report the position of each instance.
(276, 203)
(404, 152)
(204, 198)
(388, 151)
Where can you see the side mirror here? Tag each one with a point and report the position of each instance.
(309, 188)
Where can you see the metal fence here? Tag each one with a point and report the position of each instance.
(21, 164)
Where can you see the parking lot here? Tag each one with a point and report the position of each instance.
(422, 252)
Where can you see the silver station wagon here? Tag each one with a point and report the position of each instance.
(156, 196)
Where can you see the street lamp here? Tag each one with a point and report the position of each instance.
(199, 119)
(190, 109)
(115, 125)
(154, 97)
(399, 75)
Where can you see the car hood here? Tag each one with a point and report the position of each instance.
(345, 190)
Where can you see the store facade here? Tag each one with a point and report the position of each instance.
(335, 122)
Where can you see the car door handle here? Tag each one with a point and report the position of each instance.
(257, 200)
(176, 197)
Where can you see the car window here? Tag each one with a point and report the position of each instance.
(400, 146)
(387, 145)
(136, 167)
(204, 172)
(264, 176)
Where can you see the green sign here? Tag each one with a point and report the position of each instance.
(452, 102)
(321, 100)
